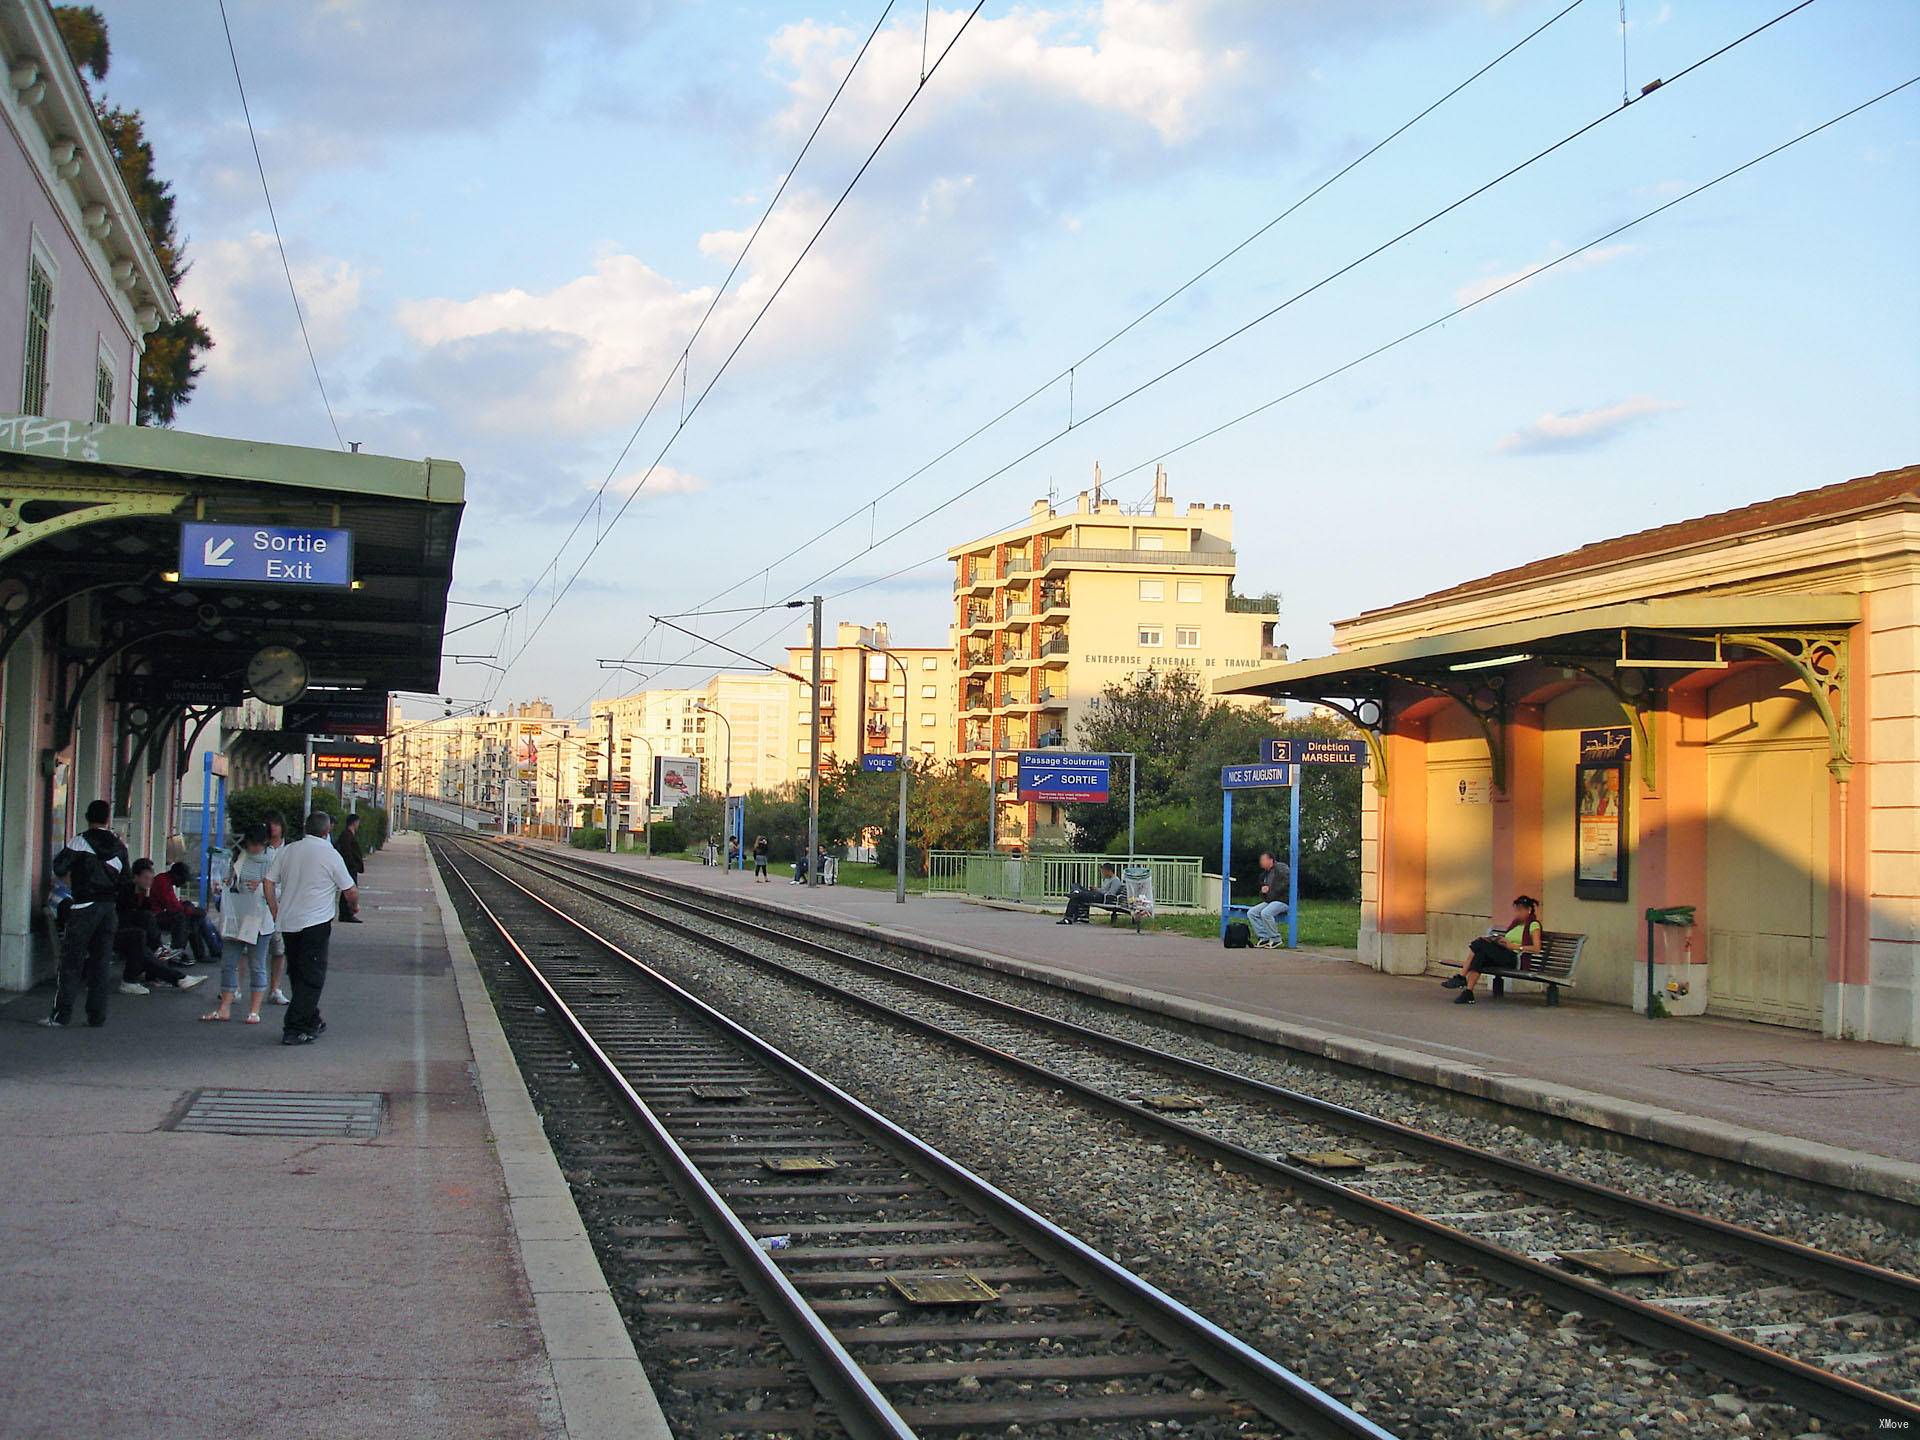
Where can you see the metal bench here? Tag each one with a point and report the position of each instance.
(1138, 905)
(1553, 967)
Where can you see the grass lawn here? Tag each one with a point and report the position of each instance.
(1333, 923)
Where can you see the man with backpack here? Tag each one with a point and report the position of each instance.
(92, 864)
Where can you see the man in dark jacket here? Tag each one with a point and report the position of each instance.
(1265, 916)
(93, 864)
(349, 847)
(138, 938)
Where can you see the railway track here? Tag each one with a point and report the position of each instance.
(1829, 1334)
(908, 1295)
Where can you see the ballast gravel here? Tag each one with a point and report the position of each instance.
(1421, 1348)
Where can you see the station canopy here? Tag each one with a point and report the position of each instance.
(94, 509)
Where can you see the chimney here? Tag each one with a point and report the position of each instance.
(1159, 483)
(1096, 484)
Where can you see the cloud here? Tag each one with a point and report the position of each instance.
(665, 480)
(1583, 429)
(239, 287)
(1587, 260)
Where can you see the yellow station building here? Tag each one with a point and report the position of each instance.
(1719, 713)
(1051, 612)
(870, 700)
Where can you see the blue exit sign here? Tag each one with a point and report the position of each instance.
(266, 555)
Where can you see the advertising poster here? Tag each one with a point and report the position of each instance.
(675, 778)
(526, 752)
(1600, 824)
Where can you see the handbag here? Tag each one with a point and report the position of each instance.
(244, 928)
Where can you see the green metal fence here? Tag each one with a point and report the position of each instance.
(1040, 879)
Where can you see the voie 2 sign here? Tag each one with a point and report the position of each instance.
(265, 554)
(1063, 776)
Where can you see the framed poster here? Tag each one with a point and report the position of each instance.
(1600, 814)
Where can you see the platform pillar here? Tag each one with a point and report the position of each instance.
(1397, 940)
(22, 809)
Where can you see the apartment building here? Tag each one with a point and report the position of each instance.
(869, 699)
(736, 726)
(495, 764)
(1051, 612)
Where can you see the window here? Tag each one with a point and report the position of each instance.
(1153, 589)
(33, 387)
(876, 667)
(103, 391)
(1150, 637)
(899, 692)
(926, 747)
(1152, 542)
(929, 692)
(1186, 637)
(929, 719)
(1189, 592)
(929, 662)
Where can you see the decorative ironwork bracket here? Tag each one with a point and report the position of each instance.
(1487, 703)
(1368, 716)
(1638, 712)
(92, 505)
(1822, 660)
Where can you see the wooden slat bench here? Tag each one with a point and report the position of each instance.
(1553, 967)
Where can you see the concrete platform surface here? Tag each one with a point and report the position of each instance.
(1858, 1126)
(162, 1283)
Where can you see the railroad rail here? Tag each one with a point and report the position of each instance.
(745, 1134)
(1426, 1188)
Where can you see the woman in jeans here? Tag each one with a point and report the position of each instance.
(276, 952)
(246, 927)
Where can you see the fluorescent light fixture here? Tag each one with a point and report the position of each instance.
(1493, 663)
(1718, 662)
(172, 577)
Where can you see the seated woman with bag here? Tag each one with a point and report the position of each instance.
(246, 927)
(1498, 949)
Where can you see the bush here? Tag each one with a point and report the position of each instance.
(667, 839)
(588, 837)
(252, 806)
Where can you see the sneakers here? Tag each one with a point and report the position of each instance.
(128, 987)
(298, 1037)
(278, 997)
(1465, 997)
(54, 1022)
(1454, 982)
(187, 982)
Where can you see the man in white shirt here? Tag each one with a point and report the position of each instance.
(306, 886)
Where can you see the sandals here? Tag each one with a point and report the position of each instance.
(253, 1018)
(215, 1015)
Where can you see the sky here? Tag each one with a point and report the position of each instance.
(505, 222)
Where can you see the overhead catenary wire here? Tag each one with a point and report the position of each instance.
(594, 506)
(752, 325)
(1297, 296)
(273, 218)
(870, 506)
(1068, 373)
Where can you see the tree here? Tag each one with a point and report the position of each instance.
(170, 364)
(946, 810)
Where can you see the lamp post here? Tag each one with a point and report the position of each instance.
(900, 841)
(728, 771)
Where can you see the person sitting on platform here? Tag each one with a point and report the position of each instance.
(1081, 898)
(1265, 915)
(179, 921)
(144, 957)
(1508, 949)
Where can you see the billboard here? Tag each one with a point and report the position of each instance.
(526, 751)
(675, 778)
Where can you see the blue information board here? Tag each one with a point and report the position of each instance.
(1255, 777)
(1063, 776)
(1307, 750)
(266, 555)
(880, 763)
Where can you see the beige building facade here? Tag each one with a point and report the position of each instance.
(1719, 713)
(872, 693)
(1051, 612)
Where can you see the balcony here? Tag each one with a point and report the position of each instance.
(1273, 652)
(1253, 605)
(976, 698)
(1053, 645)
(1053, 597)
(1052, 697)
(1019, 612)
(978, 657)
(1159, 559)
(978, 616)
(1049, 738)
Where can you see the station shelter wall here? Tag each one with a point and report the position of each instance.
(1459, 834)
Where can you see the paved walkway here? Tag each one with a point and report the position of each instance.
(162, 1283)
(1598, 1063)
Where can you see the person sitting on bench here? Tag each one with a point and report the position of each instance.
(1081, 899)
(1500, 950)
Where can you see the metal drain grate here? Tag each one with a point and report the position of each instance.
(1780, 1078)
(283, 1112)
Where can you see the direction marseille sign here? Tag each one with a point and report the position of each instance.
(880, 763)
(1256, 777)
(1306, 750)
(266, 555)
(1063, 776)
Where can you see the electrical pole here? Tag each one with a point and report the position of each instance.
(609, 806)
(813, 770)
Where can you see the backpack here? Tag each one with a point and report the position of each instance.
(1239, 935)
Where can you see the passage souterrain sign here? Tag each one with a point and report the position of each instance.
(266, 555)
(1063, 776)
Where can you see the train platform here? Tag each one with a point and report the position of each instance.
(304, 1278)
(1841, 1112)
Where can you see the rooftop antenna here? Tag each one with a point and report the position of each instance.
(1096, 484)
(1159, 483)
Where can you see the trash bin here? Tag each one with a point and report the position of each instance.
(1678, 985)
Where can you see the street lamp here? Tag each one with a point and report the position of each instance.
(900, 841)
(727, 794)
